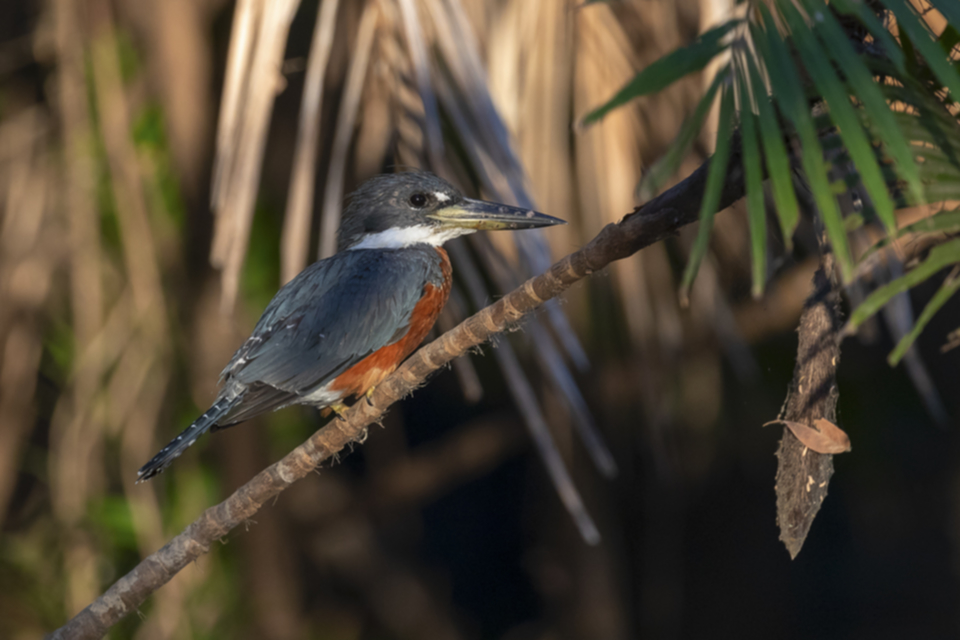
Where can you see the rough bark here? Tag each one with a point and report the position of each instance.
(658, 219)
(803, 475)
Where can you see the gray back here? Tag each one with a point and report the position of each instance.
(332, 315)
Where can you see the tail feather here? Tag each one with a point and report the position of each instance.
(179, 444)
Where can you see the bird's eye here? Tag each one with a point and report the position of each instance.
(418, 200)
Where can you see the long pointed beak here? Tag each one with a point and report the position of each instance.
(481, 215)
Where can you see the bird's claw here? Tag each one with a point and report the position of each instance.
(338, 409)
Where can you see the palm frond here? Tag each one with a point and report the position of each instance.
(849, 111)
(711, 196)
(668, 69)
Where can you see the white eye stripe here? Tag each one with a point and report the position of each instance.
(441, 196)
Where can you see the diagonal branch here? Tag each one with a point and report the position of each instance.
(658, 219)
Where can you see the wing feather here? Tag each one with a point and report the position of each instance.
(332, 315)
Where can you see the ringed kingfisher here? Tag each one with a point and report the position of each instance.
(346, 322)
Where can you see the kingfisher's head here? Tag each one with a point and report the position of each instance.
(397, 210)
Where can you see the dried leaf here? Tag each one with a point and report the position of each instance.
(826, 438)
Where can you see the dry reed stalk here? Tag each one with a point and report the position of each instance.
(546, 444)
(396, 72)
(460, 85)
(501, 175)
(609, 156)
(712, 14)
(555, 371)
(136, 387)
(471, 104)
(346, 119)
(295, 241)
(460, 50)
(255, 66)
(417, 50)
(30, 251)
(139, 254)
(542, 103)
(466, 373)
(179, 63)
(528, 404)
(243, 37)
(407, 115)
(72, 439)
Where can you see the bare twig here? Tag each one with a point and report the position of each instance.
(655, 221)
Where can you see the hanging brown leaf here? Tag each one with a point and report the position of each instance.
(825, 438)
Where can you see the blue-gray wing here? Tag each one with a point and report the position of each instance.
(332, 315)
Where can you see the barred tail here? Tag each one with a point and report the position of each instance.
(179, 444)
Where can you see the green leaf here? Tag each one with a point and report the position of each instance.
(882, 123)
(945, 222)
(909, 23)
(664, 168)
(946, 187)
(946, 291)
(716, 178)
(667, 70)
(935, 164)
(939, 258)
(775, 152)
(931, 126)
(112, 515)
(841, 111)
(949, 9)
(788, 92)
(753, 179)
(876, 28)
(936, 149)
(949, 38)
(914, 68)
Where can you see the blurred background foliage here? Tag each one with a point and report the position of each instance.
(115, 119)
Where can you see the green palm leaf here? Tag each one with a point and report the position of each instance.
(842, 113)
(919, 35)
(946, 291)
(878, 113)
(940, 257)
(667, 166)
(667, 70)
(794, 105)
(869, 19)
(753, 178)
(711, 194)
(775, 152)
